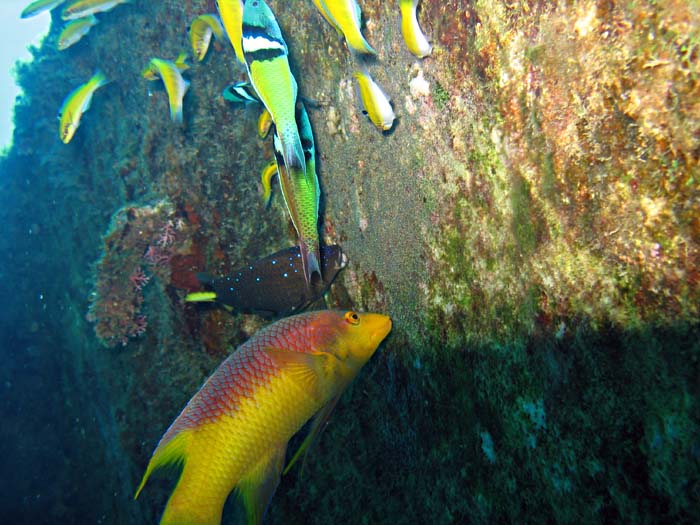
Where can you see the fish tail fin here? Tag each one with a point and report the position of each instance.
(359, 46)
(200, 297)
(99, 79)
(294, 151)
(195, 499)
(310, 261)
(171, 453)
(176, 111)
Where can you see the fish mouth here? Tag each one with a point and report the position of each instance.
(381, 326)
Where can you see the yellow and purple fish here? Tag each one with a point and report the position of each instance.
(345, 16)
(83, 8)
(75, 104)
(376, 104)
(74, 31)
(234, 432)
(201, 30)
(175, 85)
(39, 6)
(416, 42)
(231, 13)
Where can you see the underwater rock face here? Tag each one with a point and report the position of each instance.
(531, 224)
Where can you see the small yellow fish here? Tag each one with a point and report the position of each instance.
(264, 124)
(74, 31)
(175, 85)
(376, 104)
(83, 8)
(77, 103)
(151, 73)
(231, 13)
(39, 6)
(269, 171)
(201, 30)
(416, 42)
(346, 17)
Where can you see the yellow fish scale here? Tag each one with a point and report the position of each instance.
(219, 453)
(271, 82)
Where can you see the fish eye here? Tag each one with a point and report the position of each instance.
(352, 318)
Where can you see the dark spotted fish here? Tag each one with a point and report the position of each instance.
(273, 286)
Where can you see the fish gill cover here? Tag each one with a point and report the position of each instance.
(531, 223)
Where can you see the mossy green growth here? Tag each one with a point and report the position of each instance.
(441, 96)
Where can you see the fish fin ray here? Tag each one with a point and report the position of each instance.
(257, 487)
(171, 453)
(309, 260)
(317, 427)
(302, 366)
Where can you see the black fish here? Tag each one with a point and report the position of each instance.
(272, 286)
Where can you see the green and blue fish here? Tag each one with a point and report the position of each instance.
(266, 59)
(39, 6)
(75, 104)
(301, 194)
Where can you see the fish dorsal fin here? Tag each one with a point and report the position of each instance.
(318, 425)
(257, 486)
(303, 367)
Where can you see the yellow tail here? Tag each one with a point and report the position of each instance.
(188, 504)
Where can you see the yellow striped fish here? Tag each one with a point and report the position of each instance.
(83, 8)
(269, 171)
(231, 13)
(234, 432)
(39, 6)
(345, 16)
(74, 31)
(416, 42)
(376, 104)
(175, 85)
(201, 30)
(77, 103)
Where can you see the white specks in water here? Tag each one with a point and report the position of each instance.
(285, 274)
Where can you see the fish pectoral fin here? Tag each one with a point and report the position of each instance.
(257, 486)
(318, 425)
(301, 366)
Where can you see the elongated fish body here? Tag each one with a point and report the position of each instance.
(201, 31)
(77, 103)
(376, 104)
(345, 16)
(233, 433)
(83, 8)
(39, 6)
(416, 42)
(231, 13)
(272, 286)
(175, 85)
(301, 194)
(266, 60)
(74, 31)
